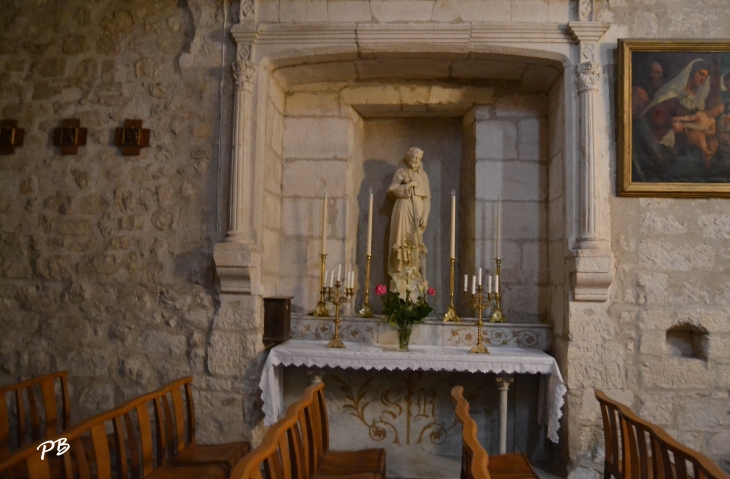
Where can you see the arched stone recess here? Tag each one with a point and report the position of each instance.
(358, 72)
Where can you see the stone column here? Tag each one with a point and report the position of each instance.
(240, 225)
(503, 384)
(588, 76)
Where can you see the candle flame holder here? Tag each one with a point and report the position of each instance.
(451, 315)
(320, 310)
(497, 315)
(365, 311)
(479, 306)
(337, 299)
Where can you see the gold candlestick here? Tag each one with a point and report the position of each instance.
(321, 309)
(366, 312)
(451, 315)
(479, 306)
(497, 315)
(338, 300)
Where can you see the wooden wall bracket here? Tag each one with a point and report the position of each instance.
(70, 136)
(10, 136)
(131, 138)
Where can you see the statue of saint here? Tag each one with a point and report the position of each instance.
(407, 253)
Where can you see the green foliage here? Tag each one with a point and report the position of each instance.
(401, 312)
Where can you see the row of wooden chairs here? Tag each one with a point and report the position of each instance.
(638, 449)
(297, 447)
(152, 436)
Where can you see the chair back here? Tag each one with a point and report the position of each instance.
(286, 451)
(474, 459)
(138, 431)
(175, 412)
(38, 402)
(642, 450)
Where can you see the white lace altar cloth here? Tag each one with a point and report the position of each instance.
(435, 358)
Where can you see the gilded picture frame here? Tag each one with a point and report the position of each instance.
(673, 118)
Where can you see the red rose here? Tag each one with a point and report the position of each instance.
(431, 292)
(380, 290)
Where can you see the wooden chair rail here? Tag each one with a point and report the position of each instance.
(639, 449)
(475, 462)
(54, 421)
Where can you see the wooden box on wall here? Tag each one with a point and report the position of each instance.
(277, 319)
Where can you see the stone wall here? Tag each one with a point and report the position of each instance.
(106, 261)
(671, 272)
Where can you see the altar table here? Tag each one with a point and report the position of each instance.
(502, 360)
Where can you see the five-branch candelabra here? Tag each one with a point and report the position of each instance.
(333, 296)
(478, 305)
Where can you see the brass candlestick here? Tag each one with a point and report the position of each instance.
(451, 311)
(338, 300)
(366, 312)
(479, 306)
(497, 316)
(321, 309)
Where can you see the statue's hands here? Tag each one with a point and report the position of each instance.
(413, 184)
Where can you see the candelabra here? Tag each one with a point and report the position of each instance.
(337, 299)
(366, 312)
(451, 311)
(321, 309)
(479, 306)
(497, 316)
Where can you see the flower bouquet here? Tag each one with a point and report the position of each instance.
(404, 313)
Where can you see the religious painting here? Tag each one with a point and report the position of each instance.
(674, 118)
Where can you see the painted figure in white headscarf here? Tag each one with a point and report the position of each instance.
(407, 253)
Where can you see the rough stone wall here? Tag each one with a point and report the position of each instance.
(106, 261)
(671, 272)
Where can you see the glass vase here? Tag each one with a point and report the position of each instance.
(404, 336)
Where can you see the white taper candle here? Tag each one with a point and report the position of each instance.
(368, 250)
(324, 225)
(489, 283)
(499, 227)
(480, 276)
(453, 224)
(473, 284)
(466, 283)
(339, 271)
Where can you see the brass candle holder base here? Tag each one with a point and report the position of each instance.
(320, 311)
(337, 299)
(479, 306)
(365, 311)
(451, 315)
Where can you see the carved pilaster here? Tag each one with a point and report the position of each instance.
(585, 10)
(592, 263)
(247, 11)
(240, 227)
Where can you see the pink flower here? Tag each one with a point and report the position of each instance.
(380, 290)
(431, 292)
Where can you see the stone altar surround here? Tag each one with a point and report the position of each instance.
(106, 262)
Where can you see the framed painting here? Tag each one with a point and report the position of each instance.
(674, 118)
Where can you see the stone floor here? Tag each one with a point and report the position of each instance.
(413, 466)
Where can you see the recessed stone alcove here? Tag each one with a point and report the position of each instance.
(482, 136)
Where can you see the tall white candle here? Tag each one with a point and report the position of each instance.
(339, 271)
(332, 278)
(473, 284)
(352, 279)
(490, 283)
(453, 224)
(326, 273)
(370, 224)
(466, 283)
(498, 240)
(324, 225)
(480, 276)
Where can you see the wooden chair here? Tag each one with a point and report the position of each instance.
(642, 450)
(133, 443)
(475, 462)
(54, 419)
(174, 412)
(290, 447)
(326, 462)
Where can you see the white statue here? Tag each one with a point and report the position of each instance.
(407, 253)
